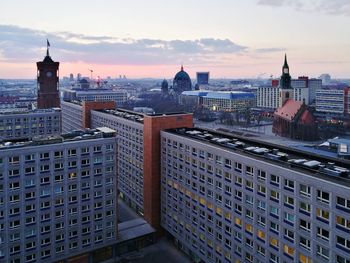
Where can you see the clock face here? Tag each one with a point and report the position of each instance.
(285, 70)
(49, 74)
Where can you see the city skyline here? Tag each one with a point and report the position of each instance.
(241, 39)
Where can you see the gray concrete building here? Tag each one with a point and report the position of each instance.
(19, 125)
(58, 197)
(129, 132)
(72, 115)
(233, 199)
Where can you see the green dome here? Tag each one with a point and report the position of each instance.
(182, 81)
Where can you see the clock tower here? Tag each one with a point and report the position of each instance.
(47, 79)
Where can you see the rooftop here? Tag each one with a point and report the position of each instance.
(137, 116)
(79, 135)
(36, 111)
(326, 167)
(289, 109)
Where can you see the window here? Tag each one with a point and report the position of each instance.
(304, 259)
(289, 201)
(289, 217)
(322, 252)
(342, 202)
(261, 190)
(322, 233)
(323, 196)
(288, 250)
(274, 179)
(341, 259)
(305, 225)
(289, 234)
(261, 175)
(274, 227)
(322, 214)
(305, 243)
(305, 207)
(289, 184)
(249, 170)
(274, 195)
(343, 242)
(274, 242)
(305, 190)
(342, 222)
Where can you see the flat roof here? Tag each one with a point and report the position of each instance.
(78, 135)
(132, 229)
(230, 95)
(326, 167)
(35, 111)
(137, 116)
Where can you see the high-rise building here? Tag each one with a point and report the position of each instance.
(138, 156)
(202, 78)
(233, 199)
(58, 197)
(21, 125)
(47, 77)
(76, 115)
(71, 77)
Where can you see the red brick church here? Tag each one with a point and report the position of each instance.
(294, 120)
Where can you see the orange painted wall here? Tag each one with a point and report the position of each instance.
(153, 125)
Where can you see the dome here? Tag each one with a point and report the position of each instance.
(182, 81)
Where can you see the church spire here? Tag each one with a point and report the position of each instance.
(285, 61)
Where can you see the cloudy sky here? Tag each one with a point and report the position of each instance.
(138, 38)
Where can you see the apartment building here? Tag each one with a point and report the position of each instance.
(232, 199)
(58, 197)
(138, 155)
(19, 125)
(333, 101)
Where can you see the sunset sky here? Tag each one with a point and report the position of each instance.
(137, 38)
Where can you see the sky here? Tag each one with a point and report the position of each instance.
(151, 39)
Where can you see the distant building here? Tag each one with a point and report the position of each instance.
(202, 78)
(295, 121)
(76, 115)
(71, 77)
(333, 101)
(219, 100)
(48, 94)
(78, 76)
(27, 125)
(326, 78)
(181, 82)
(101, 94)
(301, 89)
(268, 97)
(59, 202)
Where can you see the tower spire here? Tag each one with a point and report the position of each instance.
(182, 67)
(285, 61)
(47, 48)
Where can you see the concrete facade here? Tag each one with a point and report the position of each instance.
(58, 197)
(26, 125)
(223, 202)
